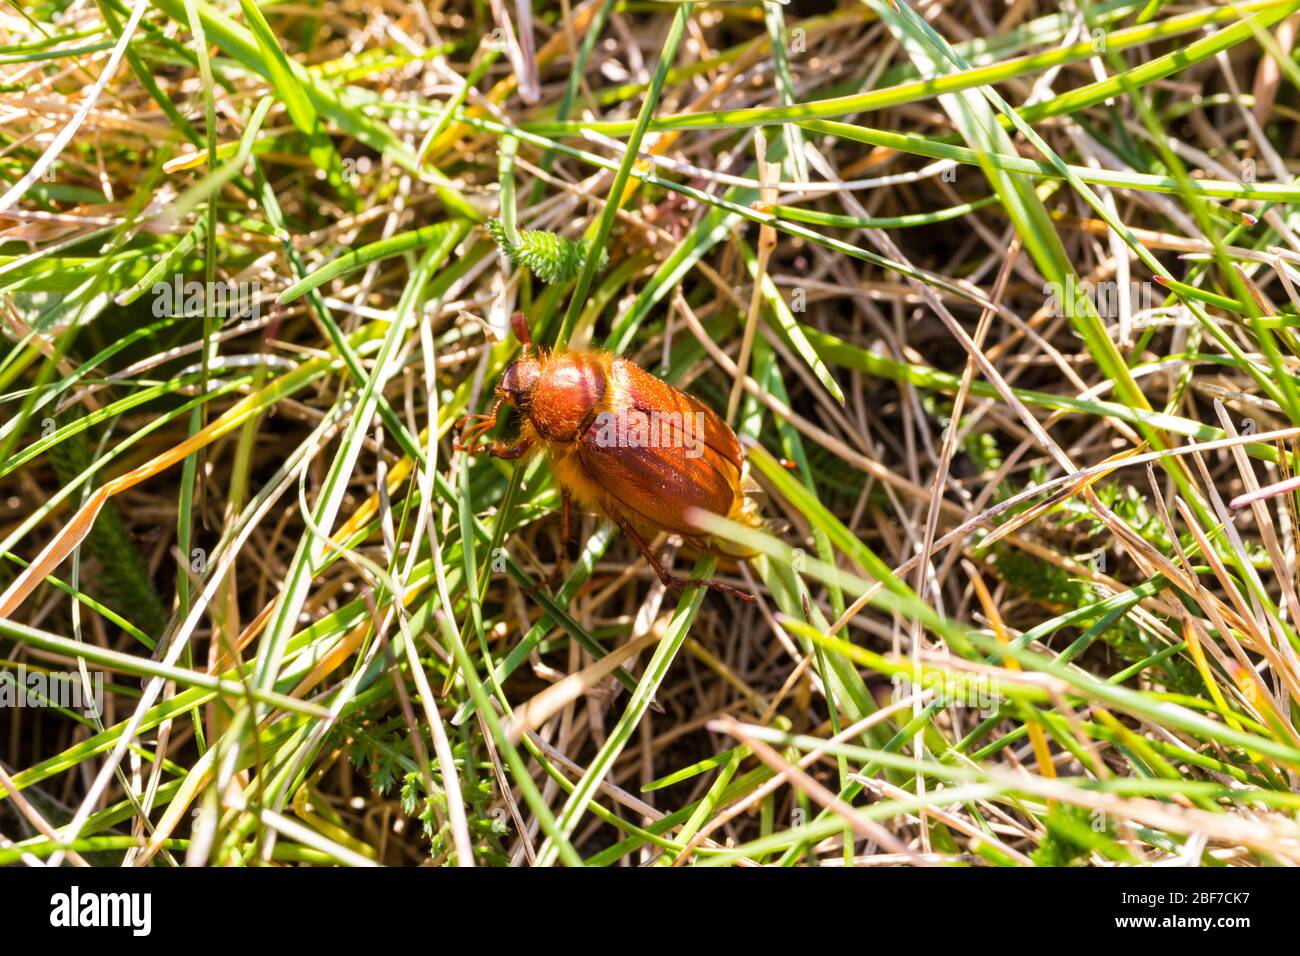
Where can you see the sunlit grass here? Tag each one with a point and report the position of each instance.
(1002, 304)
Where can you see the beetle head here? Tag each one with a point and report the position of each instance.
(519, 382)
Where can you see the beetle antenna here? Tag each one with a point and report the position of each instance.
(519, 323)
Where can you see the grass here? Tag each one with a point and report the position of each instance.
(1000, 299)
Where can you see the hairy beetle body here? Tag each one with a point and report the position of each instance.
(627, 444)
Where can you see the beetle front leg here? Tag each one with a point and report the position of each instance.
(476, 426)
(499, 449)
(671, 580)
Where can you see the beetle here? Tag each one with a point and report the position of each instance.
(624, 443)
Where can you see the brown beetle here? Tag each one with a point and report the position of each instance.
(626, 444)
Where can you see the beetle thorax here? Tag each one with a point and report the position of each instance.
(565, 396)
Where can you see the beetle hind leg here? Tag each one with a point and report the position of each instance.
(562, 556)
(669, 579)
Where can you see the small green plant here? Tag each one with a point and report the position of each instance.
(550, 257)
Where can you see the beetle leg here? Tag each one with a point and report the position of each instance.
(565, 528)
(470, 437)
(562, 558)
(669, 579)
(475, 426)
(499, 449)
